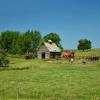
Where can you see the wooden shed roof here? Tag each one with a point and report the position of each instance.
(52, 47)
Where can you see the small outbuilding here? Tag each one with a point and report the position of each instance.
(48, 50)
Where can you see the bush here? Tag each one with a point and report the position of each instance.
(29, 56)
(3, 61)
(83, 62)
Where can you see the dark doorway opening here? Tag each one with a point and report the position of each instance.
(55, 55)
(43, 55)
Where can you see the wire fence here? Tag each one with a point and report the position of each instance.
(16, 91)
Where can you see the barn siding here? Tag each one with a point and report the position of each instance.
(39, 55)
(43, 49)
(47, 55)
(48, 51)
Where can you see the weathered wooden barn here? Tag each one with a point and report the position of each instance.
(48, 50)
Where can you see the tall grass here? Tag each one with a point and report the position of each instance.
(45, 80)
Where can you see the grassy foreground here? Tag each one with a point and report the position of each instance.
(43, 80)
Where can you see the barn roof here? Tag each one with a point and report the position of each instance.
(52, 47)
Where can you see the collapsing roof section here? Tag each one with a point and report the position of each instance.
(52, 47)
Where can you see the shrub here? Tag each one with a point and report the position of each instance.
(29, 56)
(3, 61)
(83, 62)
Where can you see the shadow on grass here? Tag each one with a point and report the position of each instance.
(9, 69)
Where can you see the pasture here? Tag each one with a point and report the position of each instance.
(49, 80)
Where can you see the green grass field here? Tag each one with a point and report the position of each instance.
(47, 80)
(92, 52)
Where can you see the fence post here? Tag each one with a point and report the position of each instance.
(17, 91)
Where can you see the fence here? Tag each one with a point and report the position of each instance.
(17, 91)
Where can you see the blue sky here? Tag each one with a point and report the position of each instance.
(71, 19)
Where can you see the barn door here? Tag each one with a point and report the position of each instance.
(43, 55)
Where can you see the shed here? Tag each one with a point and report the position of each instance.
(48, 50)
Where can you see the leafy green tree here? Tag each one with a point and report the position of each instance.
(84, 44)
(37, 38)
(17, 46)
(3, 61)
(31, 41)
(55, 38)
(26, 41)
(17, 43)
(9, 41)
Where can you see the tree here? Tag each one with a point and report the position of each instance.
(37, 38)
(9, 41)
(17, 43)
(17, 46)
(26, 41)
(3, 61)
(84, 44)
(31, 41)
(55, 38)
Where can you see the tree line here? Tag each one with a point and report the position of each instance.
(29, 42)
(20, 43)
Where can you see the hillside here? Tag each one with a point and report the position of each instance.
(92, 52)
(42, 80)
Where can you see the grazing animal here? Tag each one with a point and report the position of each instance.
(68, 54)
